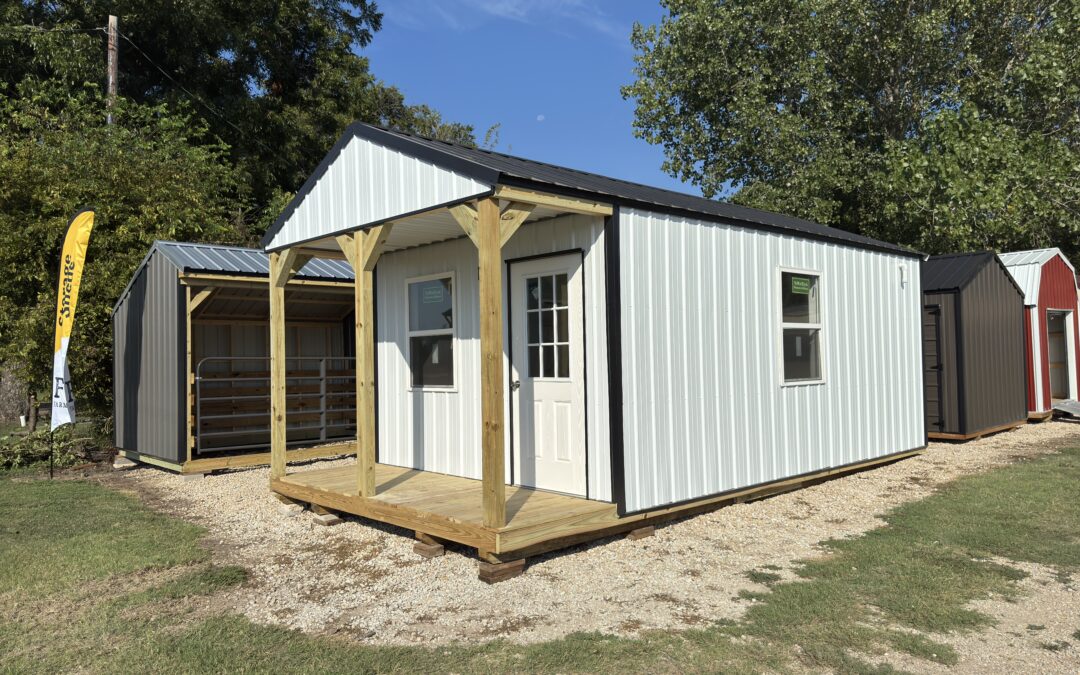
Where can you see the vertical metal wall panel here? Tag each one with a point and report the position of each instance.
(439, 430)
(994, 369)
(950, 365)
(677, 272)
(148, 357)
(368, 183)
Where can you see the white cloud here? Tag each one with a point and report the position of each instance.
(540, 118)
(455, 15)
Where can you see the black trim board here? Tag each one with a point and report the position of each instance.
(613, 293)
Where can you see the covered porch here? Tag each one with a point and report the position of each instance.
(503, 522)
(439, 507)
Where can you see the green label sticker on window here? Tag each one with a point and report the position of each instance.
(433, 294)
(800, 285)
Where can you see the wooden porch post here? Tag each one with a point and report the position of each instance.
(362, 249)
(281, 265)
(489, 243)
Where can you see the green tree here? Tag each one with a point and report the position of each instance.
(941, 125)
(154, 174)
(276, 80)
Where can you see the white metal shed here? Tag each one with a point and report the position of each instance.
(544, 331)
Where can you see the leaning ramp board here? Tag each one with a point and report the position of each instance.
(1070, 408)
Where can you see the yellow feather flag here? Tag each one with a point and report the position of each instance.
(67, 295)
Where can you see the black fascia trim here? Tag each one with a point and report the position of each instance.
(854, 466)
(403, 144)
(383, 221)
(539, 186)
(613, 301)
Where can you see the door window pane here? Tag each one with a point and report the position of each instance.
(560, 290)
(533, 334)
(549, 361)
(534, 361)
(532, 293)
(547, 294)
(563, 334)
(563, 353)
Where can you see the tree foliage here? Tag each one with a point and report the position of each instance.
(225, 108)
(151, 175)
(276, 80)
(941, 125)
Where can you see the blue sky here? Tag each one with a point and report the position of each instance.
(548, 71)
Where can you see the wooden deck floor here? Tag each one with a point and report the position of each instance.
(450, 507)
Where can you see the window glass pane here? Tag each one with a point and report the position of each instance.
(532, 293)
(549, 361)
(800, 297)
(533, 334)
(563, 352)
(547, 293)
(534, 361)
(432, 360)
(547, 330)
(430, 305)
(563, 323)
(560, 290)
(802, 360)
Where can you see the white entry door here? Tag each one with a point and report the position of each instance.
(548, 374)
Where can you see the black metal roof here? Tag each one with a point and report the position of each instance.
(499, 168)
(953, 271)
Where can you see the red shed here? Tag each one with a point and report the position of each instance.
(1051, 329)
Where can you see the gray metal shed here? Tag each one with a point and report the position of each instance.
(973, 346)
(191, 358)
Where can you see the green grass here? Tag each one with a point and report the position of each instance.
(764, 578)
(100, 583)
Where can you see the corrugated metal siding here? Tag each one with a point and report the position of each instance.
(148, 364)
(949, 394)
(236, 260)
(1027, 278)
(368, 183)
(994, 368)
(440, 430)
(704, 409)
(1057, 291)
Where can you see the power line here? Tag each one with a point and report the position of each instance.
(205, 104)
(39, 29)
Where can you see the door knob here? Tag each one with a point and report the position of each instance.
(515, 385)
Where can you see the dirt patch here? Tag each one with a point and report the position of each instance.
(361, 580)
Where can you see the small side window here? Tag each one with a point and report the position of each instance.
(800, 307)
(431, 332)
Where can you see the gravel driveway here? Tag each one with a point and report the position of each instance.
(362, 579)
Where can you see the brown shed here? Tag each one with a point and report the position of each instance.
(973, 346)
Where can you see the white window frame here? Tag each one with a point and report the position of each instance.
(782, 325)
(452, 332)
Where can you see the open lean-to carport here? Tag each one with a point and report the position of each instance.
(546, 356)
(191, 359)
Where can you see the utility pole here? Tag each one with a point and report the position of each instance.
(113, 65)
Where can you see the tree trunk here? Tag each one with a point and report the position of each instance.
(32, 414)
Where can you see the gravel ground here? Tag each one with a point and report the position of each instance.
(363, 580)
